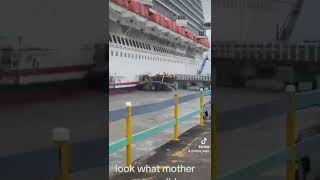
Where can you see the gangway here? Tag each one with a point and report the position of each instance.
(173, 81)
(186, 77)
(203, 64)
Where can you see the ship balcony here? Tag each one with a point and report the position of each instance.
(125, 17)
(187, 41)
(152, 28)
(201, 47)
(115, 11)
(133, 20)
(160, 31)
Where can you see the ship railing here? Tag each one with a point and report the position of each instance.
(308, 52)
(186, 77)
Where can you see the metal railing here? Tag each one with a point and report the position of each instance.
(184, 77)
(276, 51)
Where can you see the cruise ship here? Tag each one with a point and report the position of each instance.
(154, 37)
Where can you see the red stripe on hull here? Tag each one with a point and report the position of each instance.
(121, 84)
(51, 70)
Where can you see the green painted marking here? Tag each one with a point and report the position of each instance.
(307, 99)
(117, 145)
(206, 93)
(122, 143)
(152, 131)
(252, 170)
(309, 147)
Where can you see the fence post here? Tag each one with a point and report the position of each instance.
(176, 117)
(201, 108)
(214, 145)
(61, 136)
(291, 134)
(129, 134)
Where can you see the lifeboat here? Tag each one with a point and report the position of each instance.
(154, 16)
(134, 6)
(203, 42)
(194, 37)
(174, 36)
(122, 3)
(188, 34)
(144, 11)
(169, 24)
(164, 31)
(174, 25)
(179, 29)
(153, 25)
(162, 21)
(206, 42)
(183, 31)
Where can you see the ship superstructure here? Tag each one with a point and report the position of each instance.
(154, 37)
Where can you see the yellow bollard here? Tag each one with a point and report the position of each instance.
(176, 117)
(201, 110)
(65, 161)
(129, 134)
(61, 136)
(291, 134)
(214, 146)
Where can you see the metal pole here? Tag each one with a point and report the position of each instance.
(61, 136)
(176, 117)
(291, 134)
(129, 134)
(201, 109)
(214, 145)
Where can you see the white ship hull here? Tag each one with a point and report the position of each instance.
(126, 71)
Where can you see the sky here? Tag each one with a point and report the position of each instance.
(206, 6)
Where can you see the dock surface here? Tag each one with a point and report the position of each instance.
(29, 126)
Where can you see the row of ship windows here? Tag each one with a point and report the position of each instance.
(196, 23)
(241, 4)
(141, 45)
(129, 42)
(142, 57)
